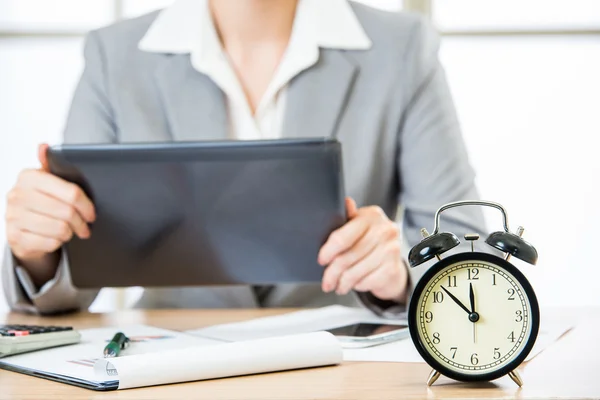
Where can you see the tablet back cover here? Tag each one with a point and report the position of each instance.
(204, 213)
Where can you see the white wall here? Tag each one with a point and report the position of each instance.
(529, 111)
(37, 78)
(36, 81)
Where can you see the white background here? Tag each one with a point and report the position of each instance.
(528, 106)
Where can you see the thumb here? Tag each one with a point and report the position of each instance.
(43, 157)
(351, 208)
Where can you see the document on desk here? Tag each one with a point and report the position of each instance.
(292, 323)
(405, 351)
(328, 317)
(157, 356)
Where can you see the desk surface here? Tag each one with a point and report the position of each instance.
(567, 369)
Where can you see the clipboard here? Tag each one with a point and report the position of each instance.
(74, 364)
(157, 357)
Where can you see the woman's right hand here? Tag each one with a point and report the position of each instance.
(43, 212)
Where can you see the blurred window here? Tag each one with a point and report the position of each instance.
(507, 15)
(137, 7)
(55, 15)
(524, 77)
(523, 74)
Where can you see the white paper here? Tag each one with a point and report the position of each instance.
(552, 327)
(405, 351)
(292, 323)
(401, 351)
(223, 360)
(550, 331)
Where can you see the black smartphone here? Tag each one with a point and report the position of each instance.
(365, 334)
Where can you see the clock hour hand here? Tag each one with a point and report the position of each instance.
(457, 301)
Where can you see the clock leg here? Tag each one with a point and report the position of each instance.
(432, 377)
(514, 375)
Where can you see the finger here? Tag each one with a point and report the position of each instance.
(352, 276)
(343, 239)
(348, 259)
(43, 156)
(45, 226)
(27, 244)
(387, 282)
(351, 208)
(60, 189)
(380, 279)
(40, 203)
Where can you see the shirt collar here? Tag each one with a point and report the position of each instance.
(186, 27)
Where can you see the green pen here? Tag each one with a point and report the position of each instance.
(114, 347)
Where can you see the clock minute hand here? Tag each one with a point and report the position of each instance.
(457, 301)
(473, 312)
(472, 297)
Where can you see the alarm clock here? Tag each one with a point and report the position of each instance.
(473, 316)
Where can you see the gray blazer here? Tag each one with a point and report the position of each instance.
(390, 107)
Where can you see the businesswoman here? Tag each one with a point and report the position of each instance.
(258, 69)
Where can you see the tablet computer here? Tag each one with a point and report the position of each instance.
(204, 213)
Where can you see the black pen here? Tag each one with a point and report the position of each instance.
(114, 347)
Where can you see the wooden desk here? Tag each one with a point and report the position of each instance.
(568, 369)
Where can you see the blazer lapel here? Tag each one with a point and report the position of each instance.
(317, 98)
(193, 103)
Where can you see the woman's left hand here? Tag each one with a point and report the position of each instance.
(365, 255)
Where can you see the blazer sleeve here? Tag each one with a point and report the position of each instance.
(433, 164)
(90, 120)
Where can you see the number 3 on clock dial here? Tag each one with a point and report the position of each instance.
(447, 307)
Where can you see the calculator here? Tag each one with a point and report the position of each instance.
(16, 339)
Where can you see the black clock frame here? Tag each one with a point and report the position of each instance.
(500, 263)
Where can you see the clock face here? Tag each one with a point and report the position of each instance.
(474, 316)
